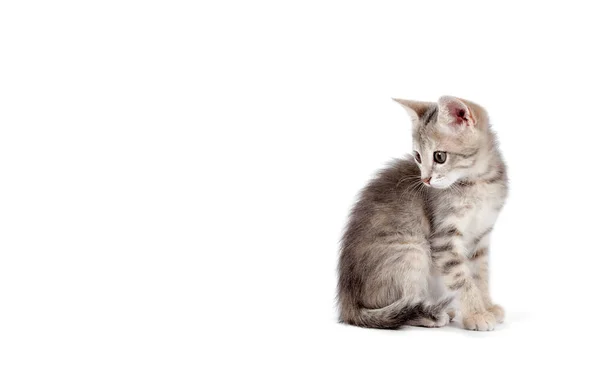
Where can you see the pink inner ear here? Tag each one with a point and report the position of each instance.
(460, 114)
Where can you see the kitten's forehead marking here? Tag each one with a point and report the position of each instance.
(430, 115)
(426, 126)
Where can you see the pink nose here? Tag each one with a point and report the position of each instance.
(426, 180)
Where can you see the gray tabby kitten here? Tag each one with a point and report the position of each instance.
(416, 244)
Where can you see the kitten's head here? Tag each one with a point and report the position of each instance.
(451, 139)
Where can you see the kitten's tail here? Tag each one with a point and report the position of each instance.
(399, 313)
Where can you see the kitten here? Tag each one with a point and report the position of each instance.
(417, 240)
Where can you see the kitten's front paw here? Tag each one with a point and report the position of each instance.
(498, 312)
(479, 321)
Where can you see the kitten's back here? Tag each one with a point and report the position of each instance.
(387, 233)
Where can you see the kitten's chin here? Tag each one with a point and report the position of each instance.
(442, 184)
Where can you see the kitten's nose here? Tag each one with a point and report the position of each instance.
(426, 180)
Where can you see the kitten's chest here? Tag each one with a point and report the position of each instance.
(476, 212)
(479, 218)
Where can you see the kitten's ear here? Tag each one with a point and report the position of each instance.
(456, 113)
(415, 109)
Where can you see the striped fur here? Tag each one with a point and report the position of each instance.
(410, 249)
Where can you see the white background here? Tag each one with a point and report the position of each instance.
(175, 177)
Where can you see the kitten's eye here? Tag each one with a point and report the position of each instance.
(439, 156)
(417, 157)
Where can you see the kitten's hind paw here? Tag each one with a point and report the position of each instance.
(451, 313)
(498, 312)
(441, 320)
(479, 321)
